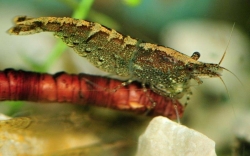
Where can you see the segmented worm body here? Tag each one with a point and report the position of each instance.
(167, 71)
(82, 89)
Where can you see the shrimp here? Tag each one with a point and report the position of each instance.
(166, 71)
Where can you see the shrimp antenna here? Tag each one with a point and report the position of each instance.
(225, 54)
(225, 86)
(227, 44)
(233, 75)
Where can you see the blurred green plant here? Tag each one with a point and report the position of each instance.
(132, 3)
(80, 12)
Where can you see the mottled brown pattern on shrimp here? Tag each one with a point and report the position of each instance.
(167, 71)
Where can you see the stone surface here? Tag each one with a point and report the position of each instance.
(165, 137)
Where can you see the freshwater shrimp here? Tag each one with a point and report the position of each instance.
(166, 71)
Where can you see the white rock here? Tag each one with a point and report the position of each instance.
(164, 137)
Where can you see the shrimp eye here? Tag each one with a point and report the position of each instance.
(196, 55)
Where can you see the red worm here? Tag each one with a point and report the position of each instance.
(83, 89)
